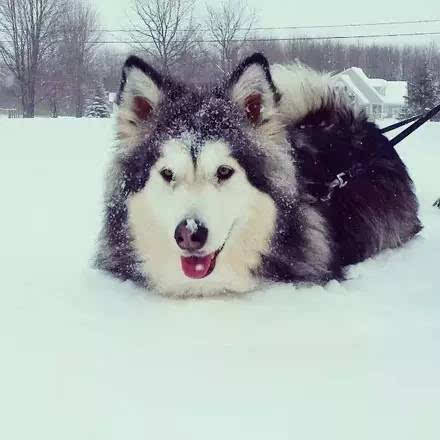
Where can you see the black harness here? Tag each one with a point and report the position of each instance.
(344, 177)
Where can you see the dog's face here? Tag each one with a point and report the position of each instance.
(200, 170)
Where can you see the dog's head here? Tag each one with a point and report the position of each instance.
(202, 170)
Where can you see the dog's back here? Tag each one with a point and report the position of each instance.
(377, 208)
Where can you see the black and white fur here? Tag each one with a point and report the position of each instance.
(268, 219)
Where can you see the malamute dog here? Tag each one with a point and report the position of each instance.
(225, 188)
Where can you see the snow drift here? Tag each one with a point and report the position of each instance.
(84, 356)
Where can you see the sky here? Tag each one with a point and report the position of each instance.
(295, 13)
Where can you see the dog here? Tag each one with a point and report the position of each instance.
(225, 188)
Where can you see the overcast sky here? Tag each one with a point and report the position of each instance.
(293, 13)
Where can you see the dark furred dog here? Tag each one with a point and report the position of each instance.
(223, 189)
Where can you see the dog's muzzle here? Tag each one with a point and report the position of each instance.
(191, 235)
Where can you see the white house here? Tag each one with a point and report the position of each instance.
(379, 98)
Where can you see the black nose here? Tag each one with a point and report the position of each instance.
(191, 234)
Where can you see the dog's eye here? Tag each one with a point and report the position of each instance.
(167, 174)
(224, 172)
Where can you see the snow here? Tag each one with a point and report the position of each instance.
(84, 356)
(191, 225)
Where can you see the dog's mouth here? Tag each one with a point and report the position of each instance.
(197, 267)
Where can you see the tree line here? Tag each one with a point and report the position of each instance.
(51, 58)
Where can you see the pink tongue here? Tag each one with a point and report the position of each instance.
(197, 267)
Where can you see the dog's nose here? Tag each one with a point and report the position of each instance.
(191, 234)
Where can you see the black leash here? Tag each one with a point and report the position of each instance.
(357, 169)
(418, 123)
(399, 124)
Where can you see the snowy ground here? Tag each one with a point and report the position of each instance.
(83, 356)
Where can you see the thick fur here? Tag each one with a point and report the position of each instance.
(269, 218)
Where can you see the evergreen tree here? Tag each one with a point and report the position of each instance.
(98, 107)
(423, 92)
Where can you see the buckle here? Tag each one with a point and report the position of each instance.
(338, 182)
(341, 182)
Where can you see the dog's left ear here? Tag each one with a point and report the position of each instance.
(252, 88)
(139, 96)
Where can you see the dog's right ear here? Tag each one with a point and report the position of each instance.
(139, 96)
(252, 88)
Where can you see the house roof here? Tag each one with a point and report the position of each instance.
(362, 82)
(364, 87)
(378, 82)
(346, 79)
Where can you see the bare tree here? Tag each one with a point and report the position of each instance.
(163, 29)
(28, 29)
(9, 92)
(109, 61)
(271, 48)
(78, 50)
(53, 84)
(230, 23)
(65, 77)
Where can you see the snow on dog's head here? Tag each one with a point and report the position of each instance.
(199, 170)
